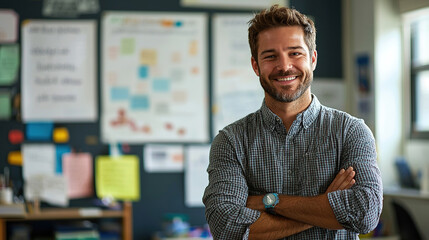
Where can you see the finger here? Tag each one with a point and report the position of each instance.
(337, 180)
(345, 184)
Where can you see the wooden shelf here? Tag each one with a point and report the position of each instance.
(75, 213)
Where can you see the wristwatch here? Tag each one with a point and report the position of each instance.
(270, 200)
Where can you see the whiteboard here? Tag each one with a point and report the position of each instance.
(154, 77)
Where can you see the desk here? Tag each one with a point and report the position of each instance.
(75, 213)
(414, 201)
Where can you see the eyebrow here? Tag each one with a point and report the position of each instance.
(288, 48)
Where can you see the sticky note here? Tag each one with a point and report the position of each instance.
(77, 169)
(161, 85)
(143, 71)
(118, 177)
(14, 158)
(5, 106)
(60, 135)
(59, 151)
(39, 131)
(148, 57)
(139, 102)
(15, 136)
(9, 63)
(119, 93)
(128, 46)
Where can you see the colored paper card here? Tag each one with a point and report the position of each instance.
(148, 56)
(39, 130)
(163, 158)
(120, 93)
(143, 71)
(118, 177)
(161, 85)
(49, 188)
(5, 106)
(15, 158)
(38, 159)
(128, 46)
(60, 135)
(15, 136)
(9, 64)
(139, 102)
(60, 151)
(77, 169)
(8, 26)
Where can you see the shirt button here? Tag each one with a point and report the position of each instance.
(289, 171)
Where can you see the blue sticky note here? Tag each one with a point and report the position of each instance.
(39, 131)
(119, 93)
(60, 150)
(139, 102)
(143, 71)
(161, 85)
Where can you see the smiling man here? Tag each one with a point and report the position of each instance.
(294, 169)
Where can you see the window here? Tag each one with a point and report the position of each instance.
(419, 77)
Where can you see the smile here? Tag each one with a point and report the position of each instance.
(286, 79)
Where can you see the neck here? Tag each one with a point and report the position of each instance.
(287, 111)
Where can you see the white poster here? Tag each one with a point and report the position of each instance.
(154, 77)
(242, 4)
(163, 158)
(58, 71)
(196, 176)
(38, 159)
(237, 91)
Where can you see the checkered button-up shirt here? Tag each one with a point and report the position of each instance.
(256, 155)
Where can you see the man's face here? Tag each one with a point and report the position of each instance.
(285, 66)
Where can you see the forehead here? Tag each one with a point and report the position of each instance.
(285, 36)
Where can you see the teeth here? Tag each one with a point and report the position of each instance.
(286, 79)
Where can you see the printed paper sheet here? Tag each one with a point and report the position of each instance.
(58, 71)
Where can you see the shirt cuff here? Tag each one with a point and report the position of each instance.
(338, 201)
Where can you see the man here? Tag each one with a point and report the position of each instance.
(294, 169)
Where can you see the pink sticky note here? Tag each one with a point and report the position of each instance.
(77, 169)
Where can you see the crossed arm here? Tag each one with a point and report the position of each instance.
(297, 214)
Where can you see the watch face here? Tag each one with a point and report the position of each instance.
(269, 199)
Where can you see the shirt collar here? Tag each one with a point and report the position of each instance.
(306, 117)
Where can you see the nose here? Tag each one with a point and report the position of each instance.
(284, 63)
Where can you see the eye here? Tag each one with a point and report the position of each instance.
(296, 54)
(269, 56)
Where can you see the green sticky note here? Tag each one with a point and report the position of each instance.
(9, 63)
(5, 106)
(128, 46)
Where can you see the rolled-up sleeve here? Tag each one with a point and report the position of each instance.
(358, 209)
(226, 195)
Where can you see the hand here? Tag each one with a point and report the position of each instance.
(343, 180)
(255, 203)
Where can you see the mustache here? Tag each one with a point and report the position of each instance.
(285, 73)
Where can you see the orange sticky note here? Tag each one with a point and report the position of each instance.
(60, 135)
(15, 158)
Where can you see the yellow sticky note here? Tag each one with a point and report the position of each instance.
(148, 57)
(118, 177)
(14, 158)
(60, 135)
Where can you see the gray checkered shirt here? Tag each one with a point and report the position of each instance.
(256, 155)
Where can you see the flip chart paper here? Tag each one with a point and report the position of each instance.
(154, 77)
(196, 177)
(118, 177)
(77, 169)
(163, 158)
(59, 71)
(8, 26)
(9, 64)
(39, 159)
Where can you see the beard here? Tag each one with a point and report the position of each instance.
(281, 95)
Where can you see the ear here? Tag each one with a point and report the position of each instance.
(314, 60)
(255, 66)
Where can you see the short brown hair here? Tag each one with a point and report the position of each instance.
(276, 17)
